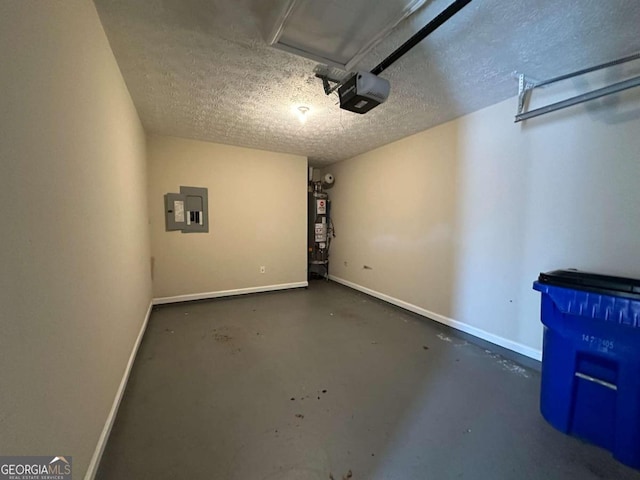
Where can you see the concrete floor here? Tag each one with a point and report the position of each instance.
(330, 383)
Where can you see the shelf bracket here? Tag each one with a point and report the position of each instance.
(524, 89)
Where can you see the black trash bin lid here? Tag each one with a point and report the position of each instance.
(593, 282)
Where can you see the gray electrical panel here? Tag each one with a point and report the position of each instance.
(187, 211)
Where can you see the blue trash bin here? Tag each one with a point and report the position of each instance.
(591, 359)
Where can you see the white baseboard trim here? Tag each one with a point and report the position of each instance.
(463, 327)
(228, 293)
(104, 436)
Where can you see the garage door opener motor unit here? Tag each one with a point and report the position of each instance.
(362, 92)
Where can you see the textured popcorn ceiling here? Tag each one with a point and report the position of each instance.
(201, 68)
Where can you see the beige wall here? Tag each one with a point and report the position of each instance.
(460, 219)
(75, 280)
(257, 216)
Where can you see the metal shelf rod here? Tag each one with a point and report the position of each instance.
(612, 63)
(601, 92)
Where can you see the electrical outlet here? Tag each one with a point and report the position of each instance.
(263, 269)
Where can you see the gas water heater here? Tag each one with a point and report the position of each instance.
(320, 226)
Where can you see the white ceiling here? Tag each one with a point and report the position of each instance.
(201, 69)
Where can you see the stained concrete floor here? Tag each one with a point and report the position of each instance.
(330, 383)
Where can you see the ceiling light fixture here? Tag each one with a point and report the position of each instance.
(302, 112)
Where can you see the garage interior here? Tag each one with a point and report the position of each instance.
(147, 353)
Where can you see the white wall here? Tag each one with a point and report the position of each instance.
(257, 216)
(75, 277)
(459, 220)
